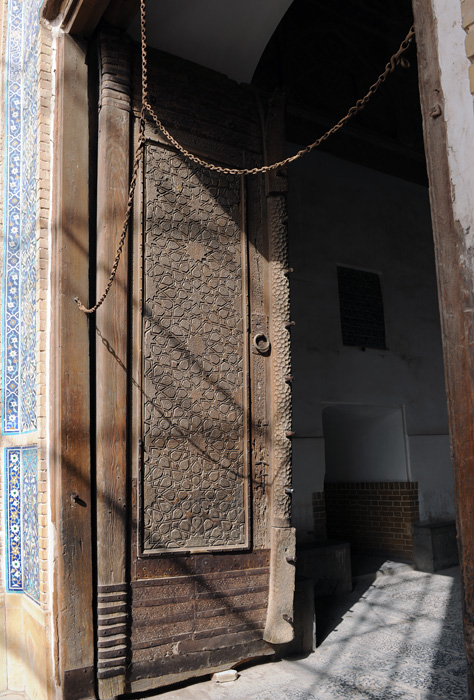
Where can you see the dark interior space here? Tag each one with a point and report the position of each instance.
(324, 57)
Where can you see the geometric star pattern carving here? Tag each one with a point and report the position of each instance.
(195, 457)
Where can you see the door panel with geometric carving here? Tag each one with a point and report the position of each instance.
(195, 488)
(200, 569)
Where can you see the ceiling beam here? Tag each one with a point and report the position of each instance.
(81, 17)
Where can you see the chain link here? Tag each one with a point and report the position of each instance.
(136, 167)
(398, 59)
(126, 221)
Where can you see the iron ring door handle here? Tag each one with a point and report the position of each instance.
(261, 343)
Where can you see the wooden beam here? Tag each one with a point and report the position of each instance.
(113, 179)
(455, 272)
(70, 422)
(84, 16)
(81, 17)
(279, 626)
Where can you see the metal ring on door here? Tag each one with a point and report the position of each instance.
(261, 342)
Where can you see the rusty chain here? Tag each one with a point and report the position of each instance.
(126, 222)
(398, 59)
(135, 169)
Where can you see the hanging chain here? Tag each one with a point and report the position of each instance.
(398, 59)
(126, 221)
(134, 178)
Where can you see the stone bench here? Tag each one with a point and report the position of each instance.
(327, 564)
(434, 545)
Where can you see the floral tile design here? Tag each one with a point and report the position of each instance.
(29, 465)
(21, 507)
(13, 518)
(19, 274)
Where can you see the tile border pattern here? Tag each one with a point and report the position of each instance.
(29, 505)
(11, 273)
(13, 517)
(20, 218)
(24, 464)
(21, 509)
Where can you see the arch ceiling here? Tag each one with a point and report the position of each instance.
(228, 37)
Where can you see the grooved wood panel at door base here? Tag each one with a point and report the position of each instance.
(195, 384)
(194, 622)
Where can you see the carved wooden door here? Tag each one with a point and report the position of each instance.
(195, 476)
(193, 456)
(199, 585)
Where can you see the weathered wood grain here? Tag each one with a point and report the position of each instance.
(78, 17)
(112, 343)
(70, 421)
(279, 623)
(456, 295)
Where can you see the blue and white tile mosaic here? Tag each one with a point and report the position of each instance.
(21, 508)
(13, 518)
(19, 294)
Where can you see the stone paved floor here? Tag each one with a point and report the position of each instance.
(397, 638)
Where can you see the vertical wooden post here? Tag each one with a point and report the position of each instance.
(113, 176)
(70, 421)
(279, 624)
(455, 272)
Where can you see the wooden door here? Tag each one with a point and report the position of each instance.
(193, 456)
(195, 380)
(199, 583)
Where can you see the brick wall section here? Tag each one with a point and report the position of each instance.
(319, 516)
(45, 127)
(375, 517)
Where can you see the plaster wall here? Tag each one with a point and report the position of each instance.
(458, 111)
(343, 214)
(28, 652)
(373, 448)
(210, 32)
